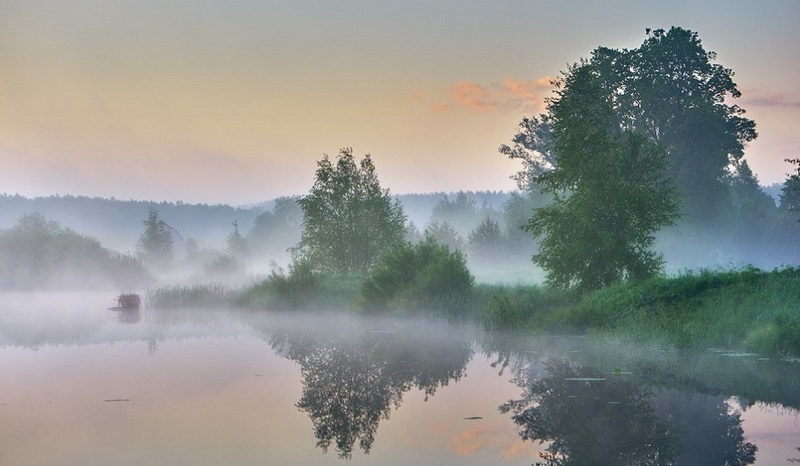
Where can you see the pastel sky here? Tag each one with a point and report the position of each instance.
(234, 101)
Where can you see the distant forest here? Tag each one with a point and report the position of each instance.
(223, 241)
(118, 223)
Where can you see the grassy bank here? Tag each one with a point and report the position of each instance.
(746, 309)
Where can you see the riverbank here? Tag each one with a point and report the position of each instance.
(747, 309)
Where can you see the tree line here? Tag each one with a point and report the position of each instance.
(638, 159)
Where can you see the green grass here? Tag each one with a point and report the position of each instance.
(749, 309)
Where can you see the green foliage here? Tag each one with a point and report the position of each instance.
(533, 146)
(529, 307)
(610, 195)
(486, 243)
(303, 288)
(301, 282)
(236, 243)
(417, 276)
(781, 336)
(744, 309)
(444, 233)
(670, 89)
(39, 253)
(349, 220)
(156, 241)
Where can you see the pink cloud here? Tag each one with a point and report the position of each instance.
(519, 448)
(510, 95)
(527, 89)
(468, 442)
(473, 96)
(752, 98)
(440, 107)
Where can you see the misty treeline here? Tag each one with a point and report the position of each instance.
(39, 253)
(212, 243)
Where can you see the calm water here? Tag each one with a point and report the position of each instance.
(82, 385)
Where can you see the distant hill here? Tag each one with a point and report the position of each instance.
(118, 223)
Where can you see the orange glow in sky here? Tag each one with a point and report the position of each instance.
(235, 101)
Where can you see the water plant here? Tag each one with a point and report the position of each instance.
(182, 296)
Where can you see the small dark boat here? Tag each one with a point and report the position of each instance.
(128, 301)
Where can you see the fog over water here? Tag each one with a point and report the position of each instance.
(85, 385)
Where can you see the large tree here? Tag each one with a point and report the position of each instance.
(609, 189)
(348, 219)
(669, 89)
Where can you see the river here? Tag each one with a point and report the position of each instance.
(83, 385)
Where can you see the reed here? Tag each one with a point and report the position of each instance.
(185, 296)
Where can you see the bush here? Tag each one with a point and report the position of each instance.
(302, 281)
(781, 336)
(422, 275)
(527, 307)
(303, 288)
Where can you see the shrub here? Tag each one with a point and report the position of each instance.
(781, 336)
(303, 288)
(422, 275)
(527, 307)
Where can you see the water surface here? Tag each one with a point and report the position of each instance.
(82, 385)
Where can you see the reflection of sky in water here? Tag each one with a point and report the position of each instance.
(775, 430)
(80, 386)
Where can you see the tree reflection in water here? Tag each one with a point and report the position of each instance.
(352, 379)
(592, 418)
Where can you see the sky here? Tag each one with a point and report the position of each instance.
(234, 101)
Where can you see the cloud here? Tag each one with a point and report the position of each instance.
(526, 93)
(440, 107)
(468, 442)
(517, 449)
(473, 440)
(473, 96)
(769, 100)
(510, 95)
